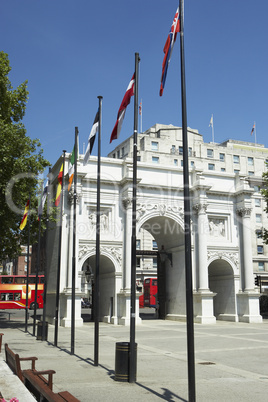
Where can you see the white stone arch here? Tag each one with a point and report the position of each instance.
(110, 278)
(114, 254)
(156, 212)
(231, 261)
(222, 282)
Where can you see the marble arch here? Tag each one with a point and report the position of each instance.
(159, 198)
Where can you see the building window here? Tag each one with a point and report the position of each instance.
(118, 154)
(154, 263)
(236, 158)
(250, 173)
(222, 157)
(236, 171)
(138, 158)
(181, 162)
(138, 262)
(138, 244)
(192, 163)
(180, 150)
(113, 155)
(211, 166)
(260, 249)
(257, 189)
(261, 266)
(176, 162)
(250, 161)
(257, 202)
(190, 151)
(258, 218)
(123, 151)
(173, 149)
(222, 169)
(259, 234)
(155, 159)
(210, 153)
(154, 245)
(154, 146)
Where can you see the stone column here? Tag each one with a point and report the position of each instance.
(127, 203)
(245, 213)
(202, 225)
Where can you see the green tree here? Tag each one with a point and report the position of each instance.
(21, 162)
(264, 192)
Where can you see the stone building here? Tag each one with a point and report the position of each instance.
(226, 222)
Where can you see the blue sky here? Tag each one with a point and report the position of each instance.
(72, 51)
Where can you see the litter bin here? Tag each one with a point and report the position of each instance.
(122, 361)
(40, 330)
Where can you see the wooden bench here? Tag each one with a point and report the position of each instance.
(42, 392)
(1, 337)
(13, 361)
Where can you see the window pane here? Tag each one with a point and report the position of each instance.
(250, 161)
(261, 266)
(180, 150)
(211, 166)
(154, 146)
(236, 158)
(222, 157)
(155, 159)
(258, 218)
(210, 153)
(260, 249)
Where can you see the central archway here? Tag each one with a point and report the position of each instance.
(168, 233)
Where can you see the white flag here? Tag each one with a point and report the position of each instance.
(211, 122)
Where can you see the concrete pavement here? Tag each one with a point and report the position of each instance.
(231, 360)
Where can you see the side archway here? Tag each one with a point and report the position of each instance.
(222, 283)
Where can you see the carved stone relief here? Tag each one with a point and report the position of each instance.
(116, 252)
(220, 254)
(162, 209)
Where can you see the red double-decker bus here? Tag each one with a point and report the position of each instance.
(150, 290)
(13, 291)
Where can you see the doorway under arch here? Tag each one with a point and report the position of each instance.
(169, 236)
(221, 282)
(107, 285)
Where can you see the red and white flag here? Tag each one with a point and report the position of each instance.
(122, 109)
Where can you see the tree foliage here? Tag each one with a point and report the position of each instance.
(264, 192)
(21, 162)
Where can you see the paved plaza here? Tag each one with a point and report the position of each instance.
(231, 361)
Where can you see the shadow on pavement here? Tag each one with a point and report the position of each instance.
(167, 395)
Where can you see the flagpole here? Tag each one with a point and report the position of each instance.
(187, 223)
(74, 243)
(46, 262)
(28, 257)
(37, 266)
(97, 264)
(255, 133)
(59, 260)
(141, 114)
(132, 353)
(212, 129)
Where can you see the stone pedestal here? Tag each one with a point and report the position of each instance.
(124, 302)
(248, 307)
(66, 309)
(203, 307)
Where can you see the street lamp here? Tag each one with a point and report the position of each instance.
(88, 274)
